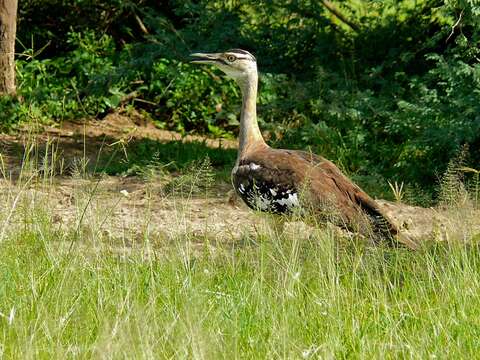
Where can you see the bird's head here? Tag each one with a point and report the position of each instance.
(236, 63)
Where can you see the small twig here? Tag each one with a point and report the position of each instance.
(166, 89)
(141, 25)
(454, 26)
(128, 97)
(145, 101)
(77, 93)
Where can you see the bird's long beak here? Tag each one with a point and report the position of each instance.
(204, 58)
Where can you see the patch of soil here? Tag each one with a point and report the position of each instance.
(131, 204)
(117, 204)
(118, 126)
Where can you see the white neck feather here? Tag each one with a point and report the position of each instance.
(249, 131)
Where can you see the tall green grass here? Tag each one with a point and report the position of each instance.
(262, 297)
(89, 291)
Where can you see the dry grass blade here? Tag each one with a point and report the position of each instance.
(397, 190)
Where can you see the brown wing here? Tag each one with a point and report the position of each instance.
(327, 186)
(360, 199)
(343, 184)
(380, 221)
(326, 170)
(310, 157)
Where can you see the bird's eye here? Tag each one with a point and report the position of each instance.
(231, 58)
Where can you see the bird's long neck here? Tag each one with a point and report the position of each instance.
(249, 131)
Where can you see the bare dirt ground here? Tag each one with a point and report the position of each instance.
(118, 204)
(135, 205)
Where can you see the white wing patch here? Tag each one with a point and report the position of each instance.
(273, 199)
(290, 202)
(254, 166)
(241, 189)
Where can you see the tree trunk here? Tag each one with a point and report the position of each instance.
(8, 28)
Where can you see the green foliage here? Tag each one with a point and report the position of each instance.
(393, 92)
(95, 78)
(153, 156)
(47, 22)
(67, 87)
(191, 98)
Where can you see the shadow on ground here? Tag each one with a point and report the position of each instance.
(115, 146)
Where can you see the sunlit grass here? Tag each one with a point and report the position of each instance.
(261, 296)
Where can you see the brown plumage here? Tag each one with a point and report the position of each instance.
(281, 181)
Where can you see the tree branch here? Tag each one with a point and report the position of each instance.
(333, 9)
(454, 26)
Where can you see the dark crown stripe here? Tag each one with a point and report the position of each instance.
(243, 52)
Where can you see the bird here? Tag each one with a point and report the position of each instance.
(282, 181)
